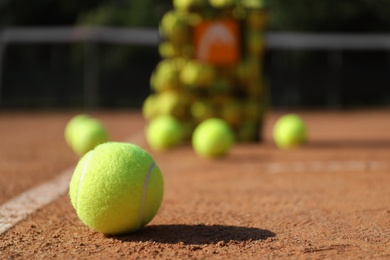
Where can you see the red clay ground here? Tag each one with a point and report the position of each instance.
(329, 199)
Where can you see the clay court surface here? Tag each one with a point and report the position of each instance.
(328, 200)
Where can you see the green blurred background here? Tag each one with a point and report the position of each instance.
(51, 75)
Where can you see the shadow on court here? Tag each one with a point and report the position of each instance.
(195, 234)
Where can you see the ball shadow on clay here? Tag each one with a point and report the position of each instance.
(195, 234)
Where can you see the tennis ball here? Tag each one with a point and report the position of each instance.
(171, 103)
(202, 110)
(149, 107)
(289, 131)
(116, 188)
(164, 133)
(174, 26)
(212, 138)
(72, 125)
(195, 74)
(165, 76)
(167, 50)
(88, 134)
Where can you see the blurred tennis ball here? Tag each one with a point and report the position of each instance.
(195, 74)
(150, 107)
(171, 103)
(167, 50)
(72, 125)
(289, 131)
(202, 110)
(164, 132)
(174, 26)
(165, 103)
(87, 134)
(212, 138)
(166, 75)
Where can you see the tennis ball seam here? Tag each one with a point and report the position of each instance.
(82, 177)
(144, 192)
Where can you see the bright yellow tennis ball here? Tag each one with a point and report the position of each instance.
(72, 125)
(164, 133)
(289, 131)
(86, 135)
(165, 76)
(212, 138)
(116, 188)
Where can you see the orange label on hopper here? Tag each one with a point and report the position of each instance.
(217, 42)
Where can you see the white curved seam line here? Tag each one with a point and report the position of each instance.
(82, 178)
(146, 184)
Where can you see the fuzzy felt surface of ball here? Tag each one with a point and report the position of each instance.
(116, 188)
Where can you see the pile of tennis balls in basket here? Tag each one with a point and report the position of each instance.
(208, 87)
